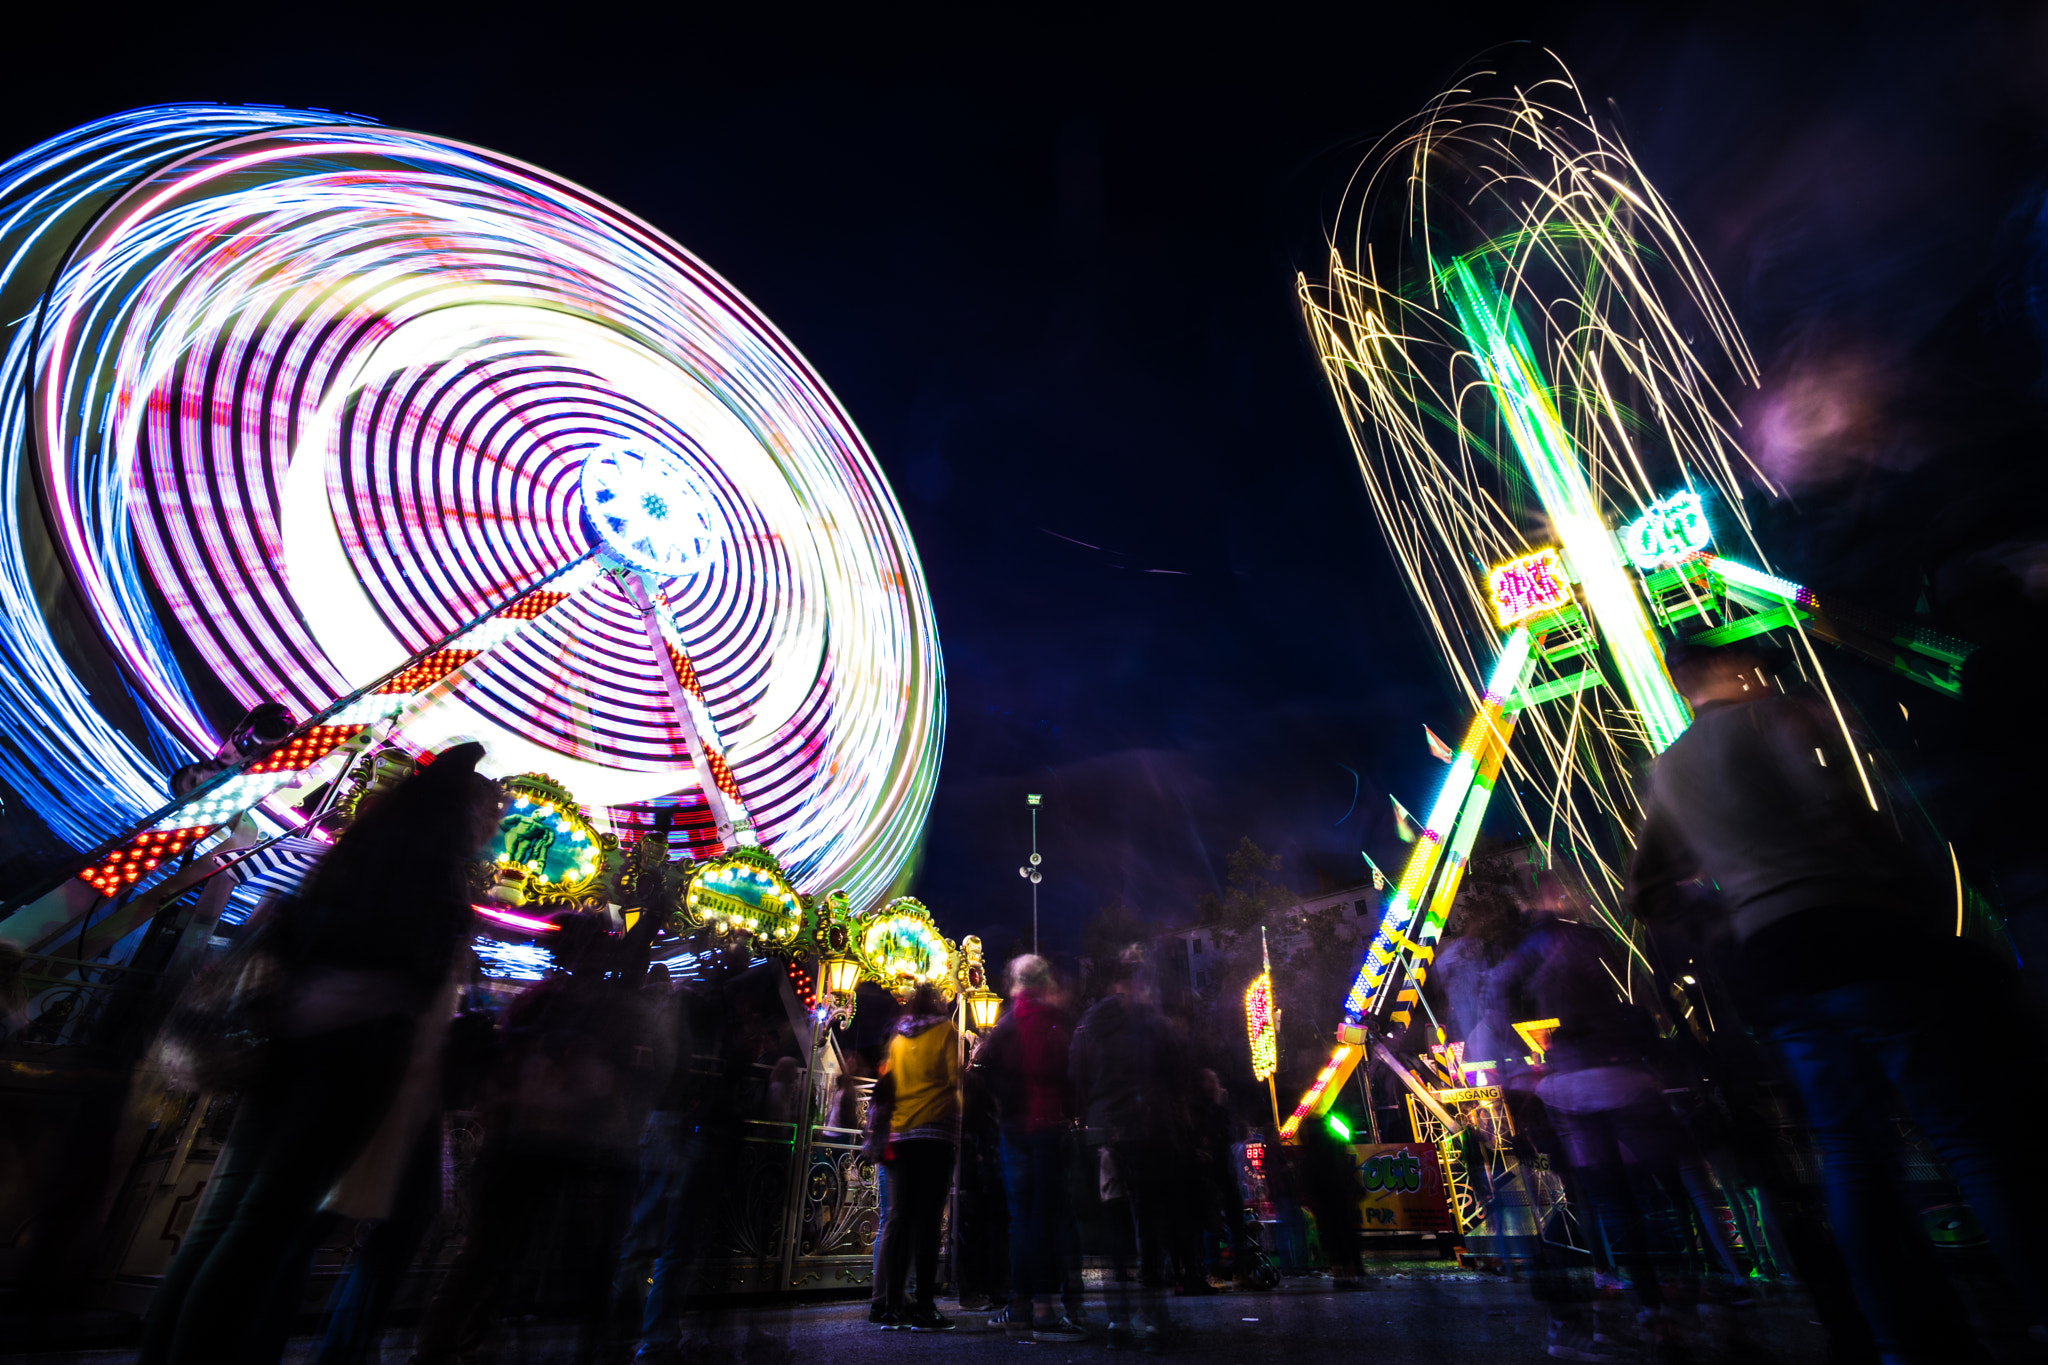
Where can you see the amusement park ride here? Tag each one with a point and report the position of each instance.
(421, 444)
(1521, 341)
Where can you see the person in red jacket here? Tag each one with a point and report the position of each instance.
(1025, 1061)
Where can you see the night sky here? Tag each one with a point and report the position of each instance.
(1046, 258)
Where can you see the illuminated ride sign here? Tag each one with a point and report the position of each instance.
(1259, 1022)
(1669, 530)
(1523, 589)
(745, 890)
(903, 948)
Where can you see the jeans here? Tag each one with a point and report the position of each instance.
(981, 1240)
(920, 1177)
(384, 1252)
(661, 1239)
(1035, 1179)
(517, 1192)
(308, 1116)
(1848, 1050)
(1140, 1229)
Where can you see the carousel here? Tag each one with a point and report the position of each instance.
(349, 443)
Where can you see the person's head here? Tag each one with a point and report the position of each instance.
(658, 978)
(926, 1001)
(1212, 1086)
(1704, 674)
(1029, 976)
(421, 833)
(1555, 897)
(1489, 919)
(1129, 977)
(580, 944)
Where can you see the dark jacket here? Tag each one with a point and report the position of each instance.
(1127, 1071)
(1559, 972)
(1762, 799)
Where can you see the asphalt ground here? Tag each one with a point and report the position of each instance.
(1417, 1316)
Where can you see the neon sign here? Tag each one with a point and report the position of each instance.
(1525, 588)
(1258, 1018)
(1670, 530)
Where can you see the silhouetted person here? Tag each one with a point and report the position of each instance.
(585, 1056)
(364, 948)
(1762, 797)
(1127, 1069)
(982, 1264)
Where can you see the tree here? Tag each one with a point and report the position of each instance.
(1251, 896)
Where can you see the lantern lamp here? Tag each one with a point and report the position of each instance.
(838, 974)
(982, 1008)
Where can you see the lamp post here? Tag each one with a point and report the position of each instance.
(1030, 870)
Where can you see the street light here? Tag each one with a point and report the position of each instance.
(1029, 872)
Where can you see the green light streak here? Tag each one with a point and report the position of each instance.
(1497, 341)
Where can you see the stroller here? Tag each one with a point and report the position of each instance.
(1248, 1253)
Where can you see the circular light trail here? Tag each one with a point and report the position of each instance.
(305, 394)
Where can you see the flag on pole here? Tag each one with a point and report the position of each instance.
(1404, 823)
(1379, 878)
(1437, 747)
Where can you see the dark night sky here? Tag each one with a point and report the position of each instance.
(1046, 258)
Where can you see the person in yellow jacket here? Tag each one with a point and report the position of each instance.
(924, 1067)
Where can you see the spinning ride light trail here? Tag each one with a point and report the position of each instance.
(1525, 348)
(307, 394)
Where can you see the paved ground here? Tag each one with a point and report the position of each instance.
(1416, 1316)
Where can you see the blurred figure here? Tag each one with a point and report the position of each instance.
(1127, 1070)
(1762, 797)
(715, 1050)
(1027, 1059)
(393, 1190)
(666, 1161)
(364, 949)
(1603, 1087)
(1217, 1199)
(585, 1056)
(881, 1104)
(1331, 1188)
(924, 1064)
(982, 1256)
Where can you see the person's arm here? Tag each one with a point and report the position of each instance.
(1081, 1068)
(1661, 863)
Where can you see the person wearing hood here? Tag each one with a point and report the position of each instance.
(924, 1121)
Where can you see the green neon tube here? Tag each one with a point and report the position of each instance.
(1495, 335)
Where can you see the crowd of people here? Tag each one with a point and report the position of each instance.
(1787, 952)
(610, 1099)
